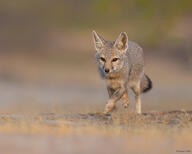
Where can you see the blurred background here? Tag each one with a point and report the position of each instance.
(47, 58)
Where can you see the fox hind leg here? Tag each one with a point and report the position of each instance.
(138, 104)
(137, 90)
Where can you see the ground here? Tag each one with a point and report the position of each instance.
(152, 132)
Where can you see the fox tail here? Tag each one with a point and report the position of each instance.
(146, 84)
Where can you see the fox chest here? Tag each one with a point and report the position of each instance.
(114, 84)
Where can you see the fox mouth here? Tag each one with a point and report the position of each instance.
(109, 73)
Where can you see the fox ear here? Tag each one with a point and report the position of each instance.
(122, 42)
(98, 41)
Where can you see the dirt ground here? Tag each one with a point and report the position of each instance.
(47, 133)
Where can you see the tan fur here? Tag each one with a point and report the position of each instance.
(121, 65)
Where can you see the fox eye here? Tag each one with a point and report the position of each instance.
(114, 59)
(102, 59)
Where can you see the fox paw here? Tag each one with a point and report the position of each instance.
(109, 108)
(126, 105)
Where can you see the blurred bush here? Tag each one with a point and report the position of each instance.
(27, 24)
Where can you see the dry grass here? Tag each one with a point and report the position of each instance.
(123, 131)
(120, 123)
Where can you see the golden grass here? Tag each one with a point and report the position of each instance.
(97, 123)
(150, 131)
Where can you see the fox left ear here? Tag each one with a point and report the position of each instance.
(122, 42)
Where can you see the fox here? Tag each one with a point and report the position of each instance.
(121, 65)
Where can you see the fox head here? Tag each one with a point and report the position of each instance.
(110, 55)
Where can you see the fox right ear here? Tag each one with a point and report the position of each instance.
(122, 42)
(98, 41)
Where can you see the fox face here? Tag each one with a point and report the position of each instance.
(110, 60)
(110, 56)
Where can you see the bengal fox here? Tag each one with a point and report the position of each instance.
(121, 65)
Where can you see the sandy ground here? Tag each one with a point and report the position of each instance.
(155, 132)
(86, 144)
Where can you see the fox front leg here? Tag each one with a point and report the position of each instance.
(125, 99)
(110, 91)
(113, 99)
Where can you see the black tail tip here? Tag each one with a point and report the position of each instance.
(150, 85)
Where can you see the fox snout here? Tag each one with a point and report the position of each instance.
(106, 70)
(110, 66)
(107, 67)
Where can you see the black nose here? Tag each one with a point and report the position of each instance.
(106, 70)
